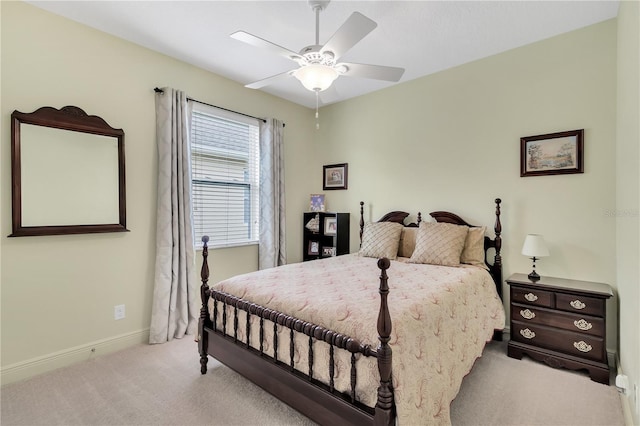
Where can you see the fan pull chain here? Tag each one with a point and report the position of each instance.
(317, 100)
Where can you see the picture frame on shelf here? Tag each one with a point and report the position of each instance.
(330, 226)
(328, 251)
(316, 203)
(552, 154)
(334, 176)
(314, 248)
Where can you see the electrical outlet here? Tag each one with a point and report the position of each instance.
(118, 312)
(622, 383)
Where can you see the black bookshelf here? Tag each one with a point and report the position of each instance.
(330, 239)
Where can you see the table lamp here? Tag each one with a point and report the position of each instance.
(534, 247)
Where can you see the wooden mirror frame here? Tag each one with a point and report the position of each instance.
(73, 119)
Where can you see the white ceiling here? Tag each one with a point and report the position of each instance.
(423, 37)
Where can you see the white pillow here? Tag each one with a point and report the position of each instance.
(381, 239)
(439, 244)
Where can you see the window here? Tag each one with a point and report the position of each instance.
(224, 173)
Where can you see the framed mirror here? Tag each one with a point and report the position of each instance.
(67, 173)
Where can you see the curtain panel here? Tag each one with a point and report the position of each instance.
(272, 248)
(176, 304)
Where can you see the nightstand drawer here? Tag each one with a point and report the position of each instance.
(531, 296)
(567, 321)
(582, 304)
(577, 344)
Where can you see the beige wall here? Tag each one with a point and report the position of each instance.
(451, 141)
(59, 292)
(627, 216)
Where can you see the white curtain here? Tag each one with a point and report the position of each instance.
(176, 304)
(272, 248)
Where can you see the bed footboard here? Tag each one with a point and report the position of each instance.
(319, 401)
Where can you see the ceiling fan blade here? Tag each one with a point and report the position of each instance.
(266, 81)
(264, 44)
(355, 28)
(377, 72)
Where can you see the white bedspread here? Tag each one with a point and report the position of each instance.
(442, 317)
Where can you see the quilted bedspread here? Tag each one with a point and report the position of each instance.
(442, 317)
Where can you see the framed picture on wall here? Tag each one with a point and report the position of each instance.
(334, 176)
(552, 154)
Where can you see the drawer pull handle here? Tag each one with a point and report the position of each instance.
(576, 304)
(583, 325)
(531, 297)
(582, 346)
(527, 314)
(528, 334)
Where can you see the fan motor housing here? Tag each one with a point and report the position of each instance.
(313, 55)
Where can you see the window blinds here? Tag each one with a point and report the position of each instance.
(224, 170)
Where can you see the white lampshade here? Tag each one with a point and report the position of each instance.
(316, 77)
(534, 246)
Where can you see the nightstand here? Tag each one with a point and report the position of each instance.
(560, 322)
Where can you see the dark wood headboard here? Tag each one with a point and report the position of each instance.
(495, 268)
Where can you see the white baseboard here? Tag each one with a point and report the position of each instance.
(42, 364)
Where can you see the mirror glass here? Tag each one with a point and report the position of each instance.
(68, 173)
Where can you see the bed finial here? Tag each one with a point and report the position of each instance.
(204, 296)
(384, 405)
(204, 272)
(498, 229)
(361, 221)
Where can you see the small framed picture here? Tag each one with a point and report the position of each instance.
(334, 176)
(314, 248)
(330, 225)
(328, 251)
(552, 154)
(316, 203)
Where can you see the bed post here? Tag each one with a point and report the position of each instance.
(385, 407)
(361, 221)
(497, 262)
(204, 313)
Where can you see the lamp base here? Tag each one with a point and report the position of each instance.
(533, 276)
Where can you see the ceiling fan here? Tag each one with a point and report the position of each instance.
(318, 64)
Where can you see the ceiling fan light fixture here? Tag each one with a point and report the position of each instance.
(316, 77)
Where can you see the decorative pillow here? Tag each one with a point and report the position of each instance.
(473, 251)
(381, 239)
(439, 244)
(407, 241)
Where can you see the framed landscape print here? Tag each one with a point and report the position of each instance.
(334, 176)
(552, 154)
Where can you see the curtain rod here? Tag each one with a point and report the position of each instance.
(158, 90)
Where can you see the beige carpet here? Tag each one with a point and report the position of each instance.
(162, 385)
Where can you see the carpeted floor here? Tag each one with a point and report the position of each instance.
(162, 385)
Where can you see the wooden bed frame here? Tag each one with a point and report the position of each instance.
(318, 401)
